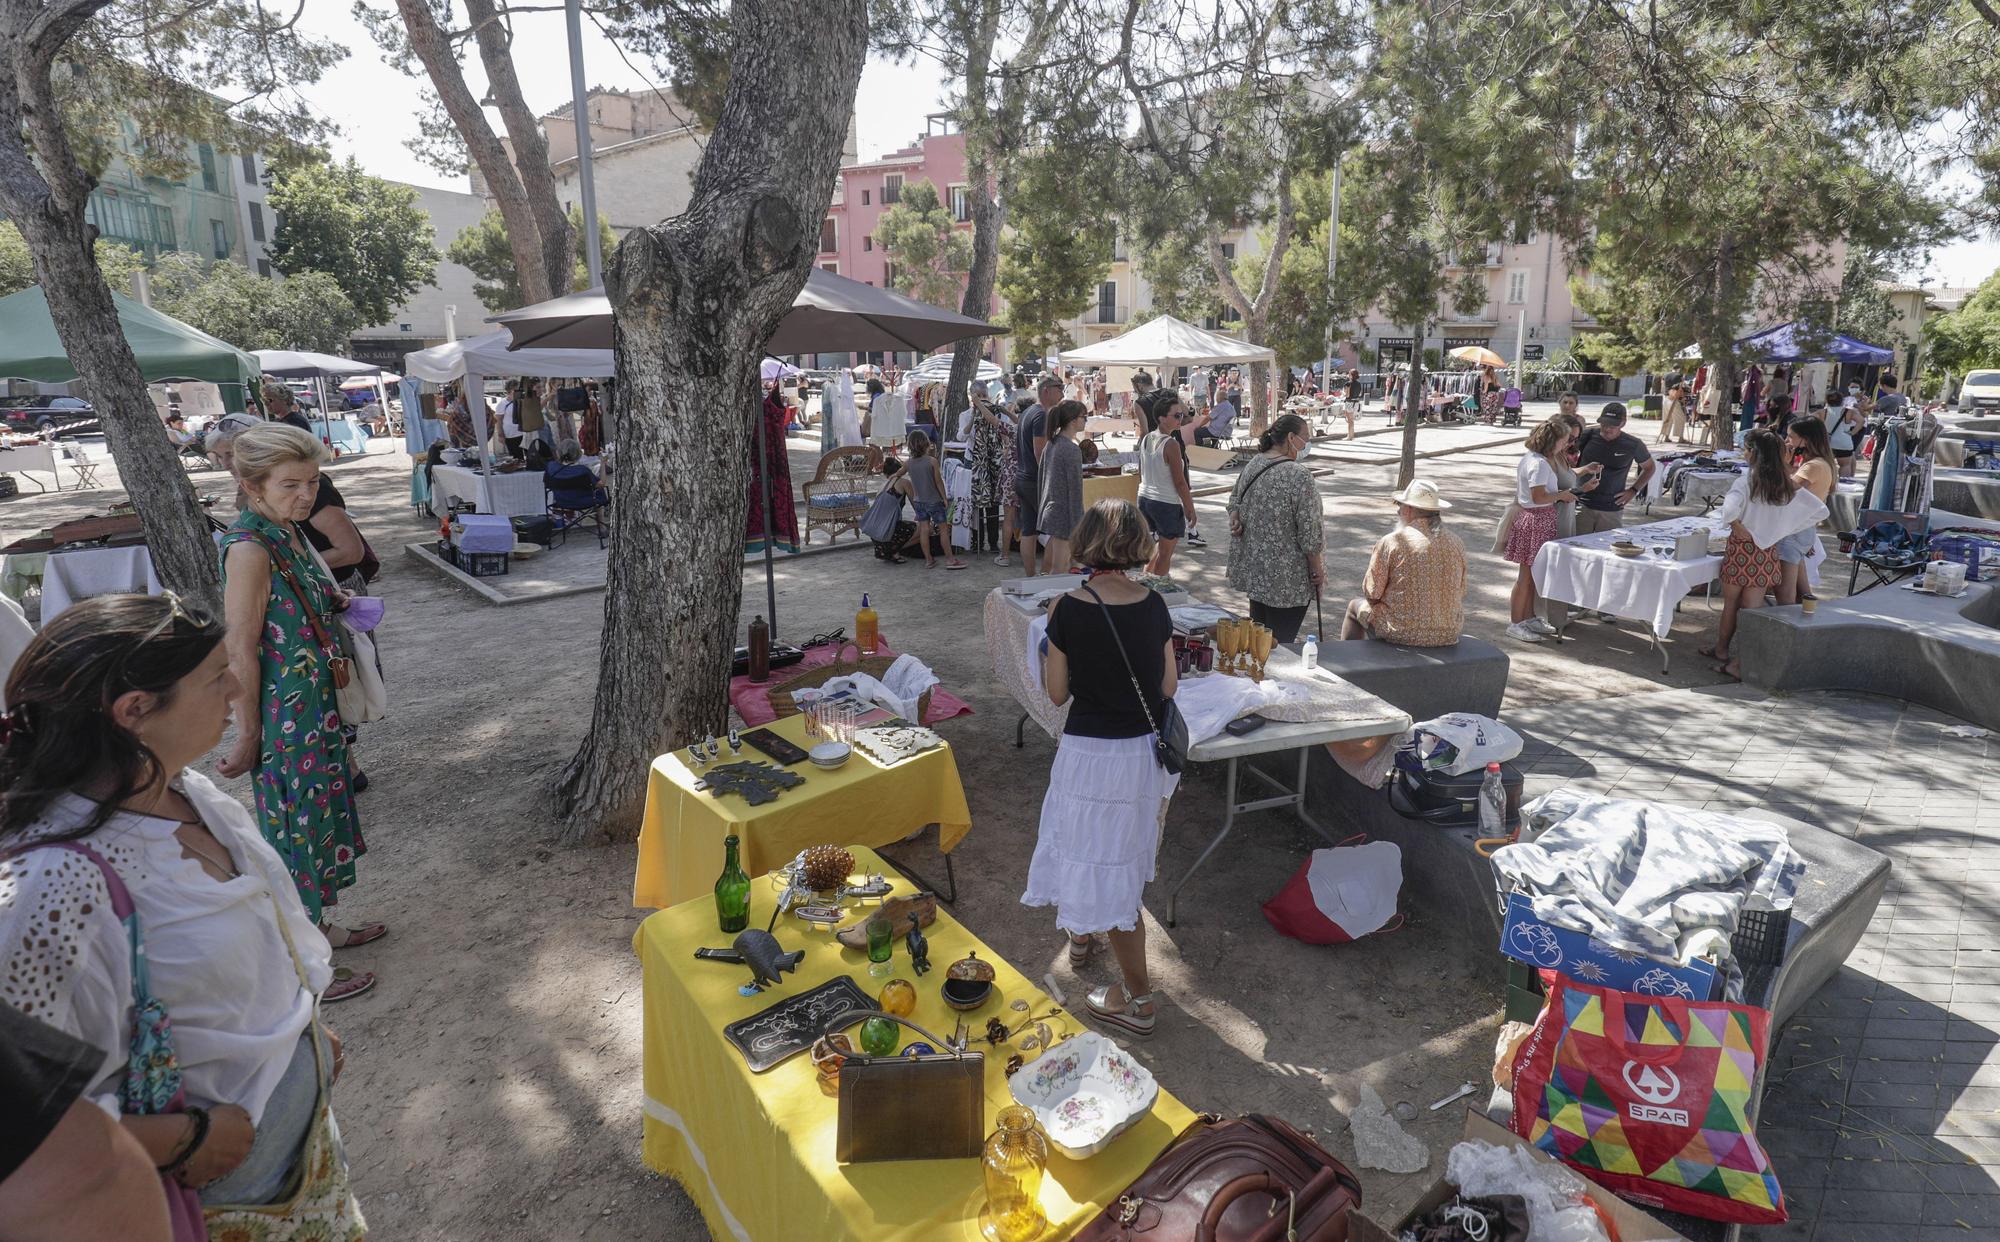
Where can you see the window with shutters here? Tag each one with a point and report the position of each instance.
(892, 189)
(829, 238)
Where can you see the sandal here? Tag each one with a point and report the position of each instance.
(353, 937)
(955, 563)
(1708, 653)
(1137, 1025)
(1081, 950)
(347, 985)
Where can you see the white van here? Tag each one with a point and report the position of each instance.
(1981, 391)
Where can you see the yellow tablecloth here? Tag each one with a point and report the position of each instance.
(680, 841)
(756, 1150)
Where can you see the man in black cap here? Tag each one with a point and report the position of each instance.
(1606, 445)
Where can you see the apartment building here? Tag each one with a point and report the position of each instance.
(444, 310)
(197, 212)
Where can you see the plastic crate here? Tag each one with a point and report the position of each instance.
(1761, 937)
(447, 553)
(483, 564)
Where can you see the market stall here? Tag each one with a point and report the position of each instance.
(756, 1151)
(166, 348)
(680, 838)
(471, 361)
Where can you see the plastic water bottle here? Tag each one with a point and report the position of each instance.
(1492, 803)
(1309, 654)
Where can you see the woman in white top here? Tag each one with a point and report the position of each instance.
(98, 807)
(1814, 470)
(1165, 499)
(1538, 490)
(1764, 506)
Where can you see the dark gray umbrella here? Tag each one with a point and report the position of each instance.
(832, 314)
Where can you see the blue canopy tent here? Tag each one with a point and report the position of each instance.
(1782, 344)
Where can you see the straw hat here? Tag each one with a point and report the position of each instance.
(1422, 494)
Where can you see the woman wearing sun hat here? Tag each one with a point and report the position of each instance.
(1414, 591)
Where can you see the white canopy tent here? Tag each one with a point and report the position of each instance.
(936, 369)
(1168, 342)
(472, 360)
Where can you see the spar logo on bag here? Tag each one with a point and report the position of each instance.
(1655, 1085)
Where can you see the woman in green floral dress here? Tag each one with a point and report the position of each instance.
(288, 722)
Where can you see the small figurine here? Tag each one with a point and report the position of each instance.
(766, 959)
(920, 948)
(735, 741)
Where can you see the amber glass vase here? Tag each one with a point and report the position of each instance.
(1015, 1156)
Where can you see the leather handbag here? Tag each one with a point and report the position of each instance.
(573, 400)
(1170, 731)
(929, 1107)
(1256, 1179)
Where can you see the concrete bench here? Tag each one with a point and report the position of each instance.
(1943, 653)
(1468, 676)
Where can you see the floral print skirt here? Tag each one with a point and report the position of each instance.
(1744, 564)
(1532, 529)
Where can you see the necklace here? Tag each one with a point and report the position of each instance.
(219, 864)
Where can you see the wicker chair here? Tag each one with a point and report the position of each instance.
(840, 491)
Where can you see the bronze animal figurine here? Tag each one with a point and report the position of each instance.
(920, 947)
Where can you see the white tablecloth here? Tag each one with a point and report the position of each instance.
(520, 494)
(1585, 573)
(40, 458)
(72, 576)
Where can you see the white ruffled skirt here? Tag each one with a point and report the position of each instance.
(1100, 832)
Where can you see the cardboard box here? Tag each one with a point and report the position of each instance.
(1527, 939)
(1633, 1225)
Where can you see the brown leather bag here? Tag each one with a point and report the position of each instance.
(1252, 1180)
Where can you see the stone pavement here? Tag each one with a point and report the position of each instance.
(1882, 1105)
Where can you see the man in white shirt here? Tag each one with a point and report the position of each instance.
(510, 425)
(1198, 388)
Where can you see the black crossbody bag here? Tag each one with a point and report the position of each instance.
(1170, 732)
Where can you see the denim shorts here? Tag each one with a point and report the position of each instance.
(930, 510)
(1167, 518)
(1793, 549)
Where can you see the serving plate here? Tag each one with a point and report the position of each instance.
(1086, 1092)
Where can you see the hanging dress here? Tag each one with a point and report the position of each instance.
(775, 465)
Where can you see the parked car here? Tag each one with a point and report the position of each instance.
(1981, 391)
(60, 416)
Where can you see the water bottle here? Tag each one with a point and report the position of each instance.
(1492, 803)
(1309, 654)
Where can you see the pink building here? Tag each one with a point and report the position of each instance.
(847, 244)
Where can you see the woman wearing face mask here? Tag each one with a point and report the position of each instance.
(1843, 428)
(281, 607)
(1276, 539)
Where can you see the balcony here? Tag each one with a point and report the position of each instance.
(1107, 314)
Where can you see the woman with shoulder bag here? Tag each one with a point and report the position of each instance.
(1276, 540)
(288, 665)
(142, 913)
(1110, 658)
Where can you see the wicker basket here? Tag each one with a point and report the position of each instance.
(875, 666)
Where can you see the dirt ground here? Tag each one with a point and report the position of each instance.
(493, 1087)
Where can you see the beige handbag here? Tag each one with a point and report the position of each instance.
(929, 1107)
(1506, 527)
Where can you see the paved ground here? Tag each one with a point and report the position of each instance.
(492, 1084)
(1882, 1110)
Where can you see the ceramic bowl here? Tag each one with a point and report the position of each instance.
(1086, 1092)
(1627, 549)
(829, 754)
(967, 994)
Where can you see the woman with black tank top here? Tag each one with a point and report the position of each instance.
(1107, 796)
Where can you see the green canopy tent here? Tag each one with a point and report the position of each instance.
(167, 349)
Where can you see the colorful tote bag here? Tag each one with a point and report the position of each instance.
(1649, 1096)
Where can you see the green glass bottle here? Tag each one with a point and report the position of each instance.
(732, 891)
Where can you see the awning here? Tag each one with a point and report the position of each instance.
(1167, 341)
(167, 349)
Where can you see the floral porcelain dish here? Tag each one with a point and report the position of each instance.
(1086, 1092)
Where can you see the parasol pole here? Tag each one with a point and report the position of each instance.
(764, 490)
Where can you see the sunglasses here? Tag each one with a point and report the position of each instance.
(176, 611)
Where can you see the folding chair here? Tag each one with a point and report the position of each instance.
(1885, 567)
(567, 516)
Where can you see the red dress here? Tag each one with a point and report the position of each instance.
(775, 465)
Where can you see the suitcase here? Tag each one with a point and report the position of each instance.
(1450, 801)
(535, 528)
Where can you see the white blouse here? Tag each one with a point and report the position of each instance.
(214, 952)
(1768, 523)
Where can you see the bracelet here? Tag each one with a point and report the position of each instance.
(192, 1144)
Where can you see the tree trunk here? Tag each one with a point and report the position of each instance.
(696, 299)
(44, 190)
(524, 238)
(1719, 344)
(1413, 410)
(531, 147)
(975, 122)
